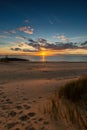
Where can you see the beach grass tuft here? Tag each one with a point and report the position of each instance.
(70, 104)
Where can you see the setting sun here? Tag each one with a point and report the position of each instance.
(43, 56)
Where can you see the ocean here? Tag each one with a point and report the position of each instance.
(57, 58)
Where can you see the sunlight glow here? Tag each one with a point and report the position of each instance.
(43, 54)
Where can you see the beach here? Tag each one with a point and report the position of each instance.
(26, 86)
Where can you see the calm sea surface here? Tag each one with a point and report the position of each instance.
(66, 58)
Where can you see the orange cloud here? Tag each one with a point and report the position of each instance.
(26, 29)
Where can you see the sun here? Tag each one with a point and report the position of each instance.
(43, 54)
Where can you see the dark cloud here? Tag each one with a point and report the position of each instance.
(35, 45)
(55, 46)
(21, 45)
(23, 50)
(28, 50)
(84, 43)
(41, 40)
(42, 43)
(16, 49)
(60, 46)
(32, 41)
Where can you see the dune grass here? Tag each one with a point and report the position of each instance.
(70, 104)
(75, 91)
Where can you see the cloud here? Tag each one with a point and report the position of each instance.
(26, 21)
(78, 37)
(23, 47)
(22, 50)
(42, 43)
(51, 22)
(10, 32)
(28, 50)
(21, 37)
(14, 43)
(3, 43)
(63, 38)
(32, 41)
(60, 46)
(53, 19)
(41, 40)
(2, 36)
(84, 43)
(35, 45)
(38, 44)
(15, 49)
(26, 29)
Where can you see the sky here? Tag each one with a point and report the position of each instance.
(43, 27)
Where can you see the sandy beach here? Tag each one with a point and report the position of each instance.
(26, 86)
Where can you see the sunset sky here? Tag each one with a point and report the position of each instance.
(43, 27)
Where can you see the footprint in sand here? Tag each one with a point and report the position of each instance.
(19, 107)
(40, 119)
(1, 87)
(4, 97)
(34, 119)
(4, 107)
(40, 97)
(35, 122)
(25, 99)
(27, 106)
(17, 129)
(12, 114)
(45, 122)
(24, 118)
(33, 101)
(30, 128)
(1, 93)
(31, 114)
(11, 125)
(42, 128)
(20, 112)
(0, 122)
(9, 101)
(2, 101)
